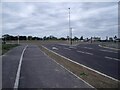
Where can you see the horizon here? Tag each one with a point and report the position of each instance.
(88, 19)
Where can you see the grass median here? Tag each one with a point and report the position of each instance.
(111, 45)
(97, 80)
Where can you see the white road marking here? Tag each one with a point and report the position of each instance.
(112, 58)
(54, 48)
(88, 48)
(81, 51)
(66, 68)
(108, 51)
(85, 52)
(89, 53)
(82, 65)
(19, 68)
(67, 48)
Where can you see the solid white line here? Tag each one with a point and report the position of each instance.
(108, 51)
(112, 58)
(67, 69)
(74, 74)
(82, 65)
(19, 68)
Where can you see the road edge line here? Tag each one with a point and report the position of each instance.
(68, 70)
(19, 68)
(82, 65)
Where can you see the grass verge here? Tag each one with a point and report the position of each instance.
(111, 44)
(7, 47)
(93, 78)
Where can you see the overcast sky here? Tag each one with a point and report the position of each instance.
(44, 19)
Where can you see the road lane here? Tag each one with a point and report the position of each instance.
(39, 71)
(10, 63)
(107, 66)
(99, 51)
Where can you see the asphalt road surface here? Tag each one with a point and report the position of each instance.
(36, 71)
(106, 61)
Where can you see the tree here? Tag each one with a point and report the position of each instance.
(81, 38)
(44, 38)
(110, 39)
(75, 38)
(22, 38)
(115, 37)
(62, 38)
(29, 37)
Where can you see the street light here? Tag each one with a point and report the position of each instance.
(70, 29)
(18, 39)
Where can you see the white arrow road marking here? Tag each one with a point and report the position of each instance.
(54, 48)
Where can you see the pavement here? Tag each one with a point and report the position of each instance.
(104, 60)
(36, 70)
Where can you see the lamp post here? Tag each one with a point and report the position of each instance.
(70, 29)
(18, 39)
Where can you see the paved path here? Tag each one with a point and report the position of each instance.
(37, 71)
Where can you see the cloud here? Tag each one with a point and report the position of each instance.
(44, 19)
(59, 0)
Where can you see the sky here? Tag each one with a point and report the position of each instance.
(88, 19)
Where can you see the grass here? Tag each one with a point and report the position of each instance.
(111, 44)
(93, 78)
(7, 47)
(83, 74)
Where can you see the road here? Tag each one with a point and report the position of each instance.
(28, 67)
(104, 60)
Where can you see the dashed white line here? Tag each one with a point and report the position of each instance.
(89, 53)
(67, 48)
(87, 47)
(81, 65)
(81, 51)
(19, 68)
(108, 51)
(112, 58)
(85, 52)
(66, 68)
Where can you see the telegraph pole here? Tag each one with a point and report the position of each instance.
(70, 29)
